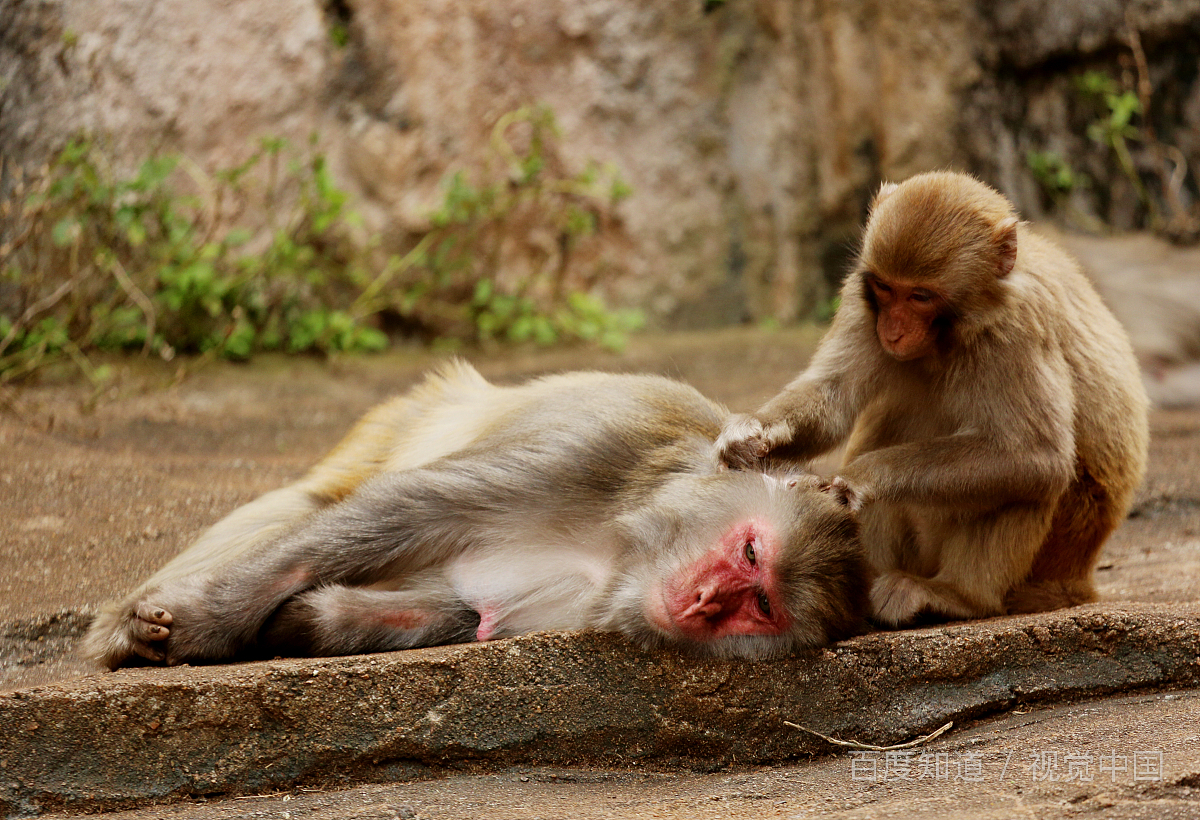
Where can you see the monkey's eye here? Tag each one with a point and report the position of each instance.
(880, 285)
(921, 296)
(764, 604)
(750, 555)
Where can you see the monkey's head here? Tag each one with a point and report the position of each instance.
(748, 564)
(935, 253)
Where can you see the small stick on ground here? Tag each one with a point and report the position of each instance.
(856, 745)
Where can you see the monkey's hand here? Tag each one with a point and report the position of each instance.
(852, 495)
(745, 441)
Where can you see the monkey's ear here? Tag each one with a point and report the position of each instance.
(1005, 237)
(885, 190)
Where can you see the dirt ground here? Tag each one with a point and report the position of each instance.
(94, 499)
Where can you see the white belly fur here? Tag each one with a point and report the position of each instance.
(533, 587)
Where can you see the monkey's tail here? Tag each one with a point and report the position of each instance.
(1043, 596)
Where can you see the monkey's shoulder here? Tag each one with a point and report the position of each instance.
(623, 399)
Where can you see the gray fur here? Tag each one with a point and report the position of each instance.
(586, 489)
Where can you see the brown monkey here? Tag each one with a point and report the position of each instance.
(996, 424)
(465, 511)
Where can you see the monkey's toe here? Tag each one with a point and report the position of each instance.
(153, 614)
(149, 652)
(144, 631)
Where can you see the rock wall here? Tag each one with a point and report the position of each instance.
(751, 132)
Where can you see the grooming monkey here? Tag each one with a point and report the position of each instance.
(465, 511)
(995, 422)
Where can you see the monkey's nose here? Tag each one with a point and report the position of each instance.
(706, 604)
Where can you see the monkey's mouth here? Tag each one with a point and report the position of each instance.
(657, 610)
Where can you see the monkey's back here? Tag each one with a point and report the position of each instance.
(1111, 433)
(1111, 410)
(455, 408)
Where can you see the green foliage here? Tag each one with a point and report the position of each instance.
(339, 34)
(1113, 125)
(109, 263)
(157, 261)
(1053, 173)
(479, 274)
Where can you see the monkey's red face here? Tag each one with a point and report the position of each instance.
(905, 316)
(731, 590)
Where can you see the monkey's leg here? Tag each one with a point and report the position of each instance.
(341, 620)
(1062, 572)
(141, 623)
(396, 526)
(979, 560)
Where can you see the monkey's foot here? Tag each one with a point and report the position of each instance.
(149, 627)
(901, 599)
(121, 633)
(897, 598)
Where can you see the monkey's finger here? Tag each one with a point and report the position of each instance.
(845, 494)
(742, 455)
(154, 614)
(741, 444)
(143, 631)
(734, 460)
(148, 652)
(808, 481)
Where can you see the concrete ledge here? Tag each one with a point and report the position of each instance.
(135, 736)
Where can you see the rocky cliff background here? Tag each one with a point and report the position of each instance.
(750, 132)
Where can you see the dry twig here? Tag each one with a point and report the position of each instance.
(856, 745)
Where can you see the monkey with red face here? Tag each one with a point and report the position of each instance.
(995, 422)
(465, 511)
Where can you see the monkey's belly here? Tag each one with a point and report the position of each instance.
(531, 589)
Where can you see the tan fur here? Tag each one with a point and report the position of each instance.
(991, 470)
(439, 416)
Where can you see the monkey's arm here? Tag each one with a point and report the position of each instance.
(814, 413)
(960, 469)
(1014, 446)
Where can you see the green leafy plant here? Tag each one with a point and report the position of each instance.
(1123, 118)
(109, 263)
(1113, 127)
(1053, 173)
(477, 274)
(160, 262)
